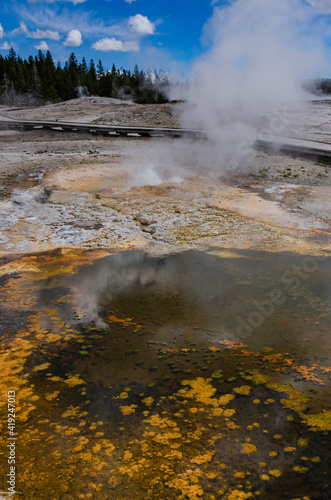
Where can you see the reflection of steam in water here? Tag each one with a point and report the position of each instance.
(212, 292)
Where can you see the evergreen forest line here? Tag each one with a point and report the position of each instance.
(37, 80)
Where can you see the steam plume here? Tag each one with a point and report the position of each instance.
(260, 51)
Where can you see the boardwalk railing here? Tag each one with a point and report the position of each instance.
(107, 130)
(290, 145)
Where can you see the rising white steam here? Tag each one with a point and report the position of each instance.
(260, 51)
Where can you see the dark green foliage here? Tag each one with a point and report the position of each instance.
(320, 86)
(38, 80)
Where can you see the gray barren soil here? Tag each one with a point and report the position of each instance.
(62, 189)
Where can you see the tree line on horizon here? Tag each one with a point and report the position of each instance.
(318, 86)
(37, 80)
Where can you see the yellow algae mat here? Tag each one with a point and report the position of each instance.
(201, 375)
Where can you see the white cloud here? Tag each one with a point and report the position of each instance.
(74, 39)
(38, 34)
(323, 6)
(1, 31)
(64, 20)
(75, 2)
(141, 25)
(5, 46)
(42, 46)
(130, 1)
(109, 44)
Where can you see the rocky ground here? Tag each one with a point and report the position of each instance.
(104, 110)
(66, 189)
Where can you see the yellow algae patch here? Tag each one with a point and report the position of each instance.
(96, 448)
(81, 442)
(244, 390)
(202, 459)
(216, 411)
(125, 321)
(239, 495)
(184, 484)
(300, 469)
(225, 399)
(25, 414)
(128, 410)
(148, 401)
(156, 420)
(211, 475)
(201, 390)
(166, 437)
(229, 413)
(123, 395)
(256, 377)
(71, 430)
(304, 498)
(231, 425)
(194, 410)
(109, 448)
(127, 455)
(289, 449)
(41, 367)
(303, 442)
(74, 380)
(278, 436)
(256, 401)
(231, 344)
(265, 477)
(71, 412)
(240, 474)
(321, 421)
(296, 401)
(248, 448)
(55, 379)
(316, 459)
(275, 472)
(273, 454)
(53, 337)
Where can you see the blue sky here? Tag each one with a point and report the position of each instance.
(159, 33)
(163, 34)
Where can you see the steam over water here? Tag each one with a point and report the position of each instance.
(259, 53)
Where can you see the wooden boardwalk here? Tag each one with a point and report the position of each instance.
(295, 146)
(106, 130)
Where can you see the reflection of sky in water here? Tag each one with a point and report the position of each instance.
(139, 380)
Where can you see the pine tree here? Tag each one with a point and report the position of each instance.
(92, 79)
(100, 69)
